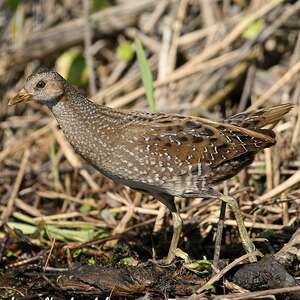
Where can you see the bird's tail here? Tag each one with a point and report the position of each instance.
(258, 119)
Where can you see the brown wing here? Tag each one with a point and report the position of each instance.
(184, 155)
(199, 140)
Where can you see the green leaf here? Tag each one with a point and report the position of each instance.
(25, 228)
(100, 234)
(92, 261)
(71, 65)
(100, 4)
(69, 235)
(145, 73)
(125, 261)
(181, 254)
(77, 71)
(253, 30)
(8, 253)
(77, 253)
(84, 208)
(125, 51)
(12, 4)
(24, 218)
(54, 169)
(198, 266)
(128, 261)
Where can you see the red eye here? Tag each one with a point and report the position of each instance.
(40, 84)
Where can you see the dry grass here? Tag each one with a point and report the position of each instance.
(208, 58)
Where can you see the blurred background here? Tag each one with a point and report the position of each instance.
(207, 58)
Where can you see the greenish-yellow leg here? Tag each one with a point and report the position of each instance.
(246, 242)
(177, 227)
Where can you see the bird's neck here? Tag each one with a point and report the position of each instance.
(91, 129)
(76, 108)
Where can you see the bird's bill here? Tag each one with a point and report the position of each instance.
(22, 96)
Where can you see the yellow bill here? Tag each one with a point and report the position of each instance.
(22, 96)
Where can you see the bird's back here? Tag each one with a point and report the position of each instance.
(182, 155)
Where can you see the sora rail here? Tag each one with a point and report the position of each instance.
(157, 153)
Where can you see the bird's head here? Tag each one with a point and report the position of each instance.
(44, 87)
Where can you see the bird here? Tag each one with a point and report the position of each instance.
(164, 155)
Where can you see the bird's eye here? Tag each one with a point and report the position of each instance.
(40, 84)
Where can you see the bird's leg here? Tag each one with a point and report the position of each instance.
(246, 242)
(177, 227)
(219, 234)
(220, 228)
(168, 201)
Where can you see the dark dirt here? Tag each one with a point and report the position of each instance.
(102, 281)
(113, 277)
(265, 274)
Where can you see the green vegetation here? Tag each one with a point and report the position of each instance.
(145, 73)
